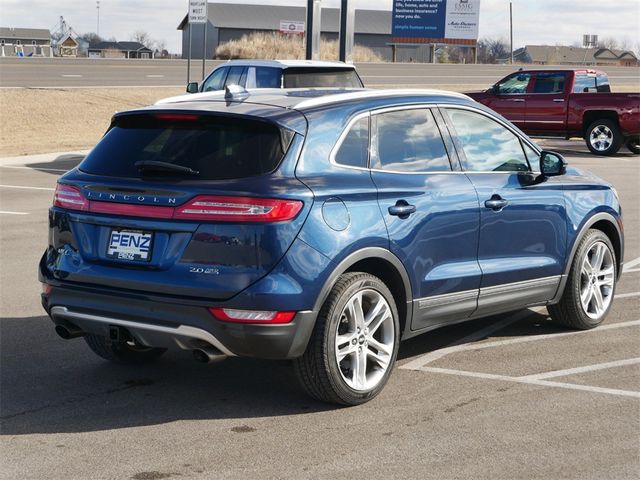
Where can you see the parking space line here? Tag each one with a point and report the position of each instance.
(585, 369)
(420, 362)
(36, 168)
(3, 212)
(27, 188)
(627, 295)
(631, 264)
(527, 381)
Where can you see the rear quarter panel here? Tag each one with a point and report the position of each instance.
(625, 105)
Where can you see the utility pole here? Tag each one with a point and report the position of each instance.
(343, 31)
(98, 10)
(511, 29)
(313, 26)
(309, 30)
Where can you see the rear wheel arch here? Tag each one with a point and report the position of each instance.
(591, 116)
(380, 263)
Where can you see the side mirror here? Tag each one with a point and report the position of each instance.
(192, 87)
(552, 164)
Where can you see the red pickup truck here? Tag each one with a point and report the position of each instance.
(568, 103)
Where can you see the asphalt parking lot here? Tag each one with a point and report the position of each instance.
(508, 397)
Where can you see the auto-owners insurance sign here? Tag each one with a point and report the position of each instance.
(436, 21)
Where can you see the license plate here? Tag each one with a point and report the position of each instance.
(132, 245)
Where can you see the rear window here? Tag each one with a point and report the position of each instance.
(214, 148)
(321, 77)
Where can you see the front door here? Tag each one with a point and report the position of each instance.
(523, 224)
(509, 98)
(431, 213)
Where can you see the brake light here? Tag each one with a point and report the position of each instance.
(179, 117)
(238, 209)
(251, 316)
(69, 197)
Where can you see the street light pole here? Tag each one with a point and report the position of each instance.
(98, 10)
(511, 29)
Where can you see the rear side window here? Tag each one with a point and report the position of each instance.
(549, 83)
(584, 83)
(237, 76)
(321, 77)
(354, 150)
(268, 77)
(408, 141)
(488, 146)
(217, 148)
(602, 83)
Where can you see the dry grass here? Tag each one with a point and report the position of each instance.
(290, 47)
(54, 120)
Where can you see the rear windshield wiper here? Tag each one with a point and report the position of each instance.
(164, 166)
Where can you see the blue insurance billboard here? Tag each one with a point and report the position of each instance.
(435, 21)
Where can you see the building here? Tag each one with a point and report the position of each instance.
(67, 46)
(119, 50)
(228, 21)
(558, 55)
(25, 42)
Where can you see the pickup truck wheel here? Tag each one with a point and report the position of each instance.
(354, 344)
(603, 137)
(127, 353)
(591, 285)
(634, 145)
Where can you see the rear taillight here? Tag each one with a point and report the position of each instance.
(202, 208)
(238, 209)
(69, 197)
(251, 316)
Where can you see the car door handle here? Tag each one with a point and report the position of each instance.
(496, 203)
(559, 100)
(402, 209)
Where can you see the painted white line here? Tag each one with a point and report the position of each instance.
(27, 188)
(3, 212)
(631, 264)
(462, 343)
(588, 368)
(420, 362)
(541, 383)
(633, 270)
(72, 76)
(627, 295)
(36, 168)
(155, 76)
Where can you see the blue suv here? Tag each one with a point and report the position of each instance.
(320, 227)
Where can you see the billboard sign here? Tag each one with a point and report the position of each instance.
(435, 21)
(292, 26)
(197, 11)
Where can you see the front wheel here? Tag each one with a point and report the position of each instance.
(603, 137)
(354, 343)
(633, 145)
(589, 291)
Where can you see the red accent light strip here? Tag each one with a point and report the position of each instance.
(250, 316)
(180, 117)
(201, 208)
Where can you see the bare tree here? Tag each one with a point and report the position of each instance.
(608, 42)
(490, 50)
(91, 37)
(142, 37)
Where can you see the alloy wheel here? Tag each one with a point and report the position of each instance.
(601, 138)
(597, 278)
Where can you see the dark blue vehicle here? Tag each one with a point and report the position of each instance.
(320, 227)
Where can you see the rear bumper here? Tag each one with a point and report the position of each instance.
(171, 323)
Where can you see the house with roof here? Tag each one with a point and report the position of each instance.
(68, 45)
(559, 55)
(25, 42)
(119, 50)
(229, 21)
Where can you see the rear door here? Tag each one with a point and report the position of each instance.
(179, 204)
(431, 212)
(546, 104)
(523, 222)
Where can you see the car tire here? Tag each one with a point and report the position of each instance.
(349, 359)
(590, 288)
(603, 137)
(633, 145)
(125, 353)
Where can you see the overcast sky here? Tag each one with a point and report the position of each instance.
(535, 21)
